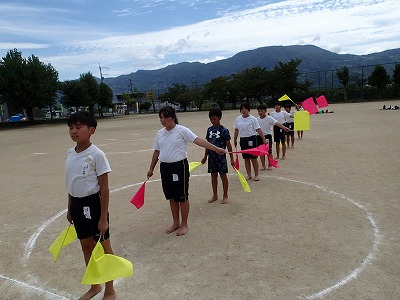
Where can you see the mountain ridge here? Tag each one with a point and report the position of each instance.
(314, 59)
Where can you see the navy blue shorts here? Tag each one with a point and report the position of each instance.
(248, 143)
(279, 135)
(268, 137)
(291, 127)
(175, 180)
(85, 213)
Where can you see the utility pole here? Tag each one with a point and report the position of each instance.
(101, 73)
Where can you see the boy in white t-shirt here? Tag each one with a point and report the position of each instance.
(86, 181)
(279, 133)
(289, 123)
(267, 124)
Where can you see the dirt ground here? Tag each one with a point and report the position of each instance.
(322, 226)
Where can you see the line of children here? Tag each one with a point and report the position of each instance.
(289, 123)
(279, 133)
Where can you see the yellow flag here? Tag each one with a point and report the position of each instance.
(66, 237)
(301, 120)
(194, 165)
(243, 181)
(105, 267)
(284, 98)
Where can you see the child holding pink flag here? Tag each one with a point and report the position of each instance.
(247, 128)
(170, 148)
(279, 133)
(219, 136)
(267, 124)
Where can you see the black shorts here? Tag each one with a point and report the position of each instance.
(291, 127)
(85, 213)
(279, 135)
(175, 180)
(248, 143)
(268, 137)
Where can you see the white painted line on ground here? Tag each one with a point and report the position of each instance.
(23, 284)
(353, 274)
(39, 153)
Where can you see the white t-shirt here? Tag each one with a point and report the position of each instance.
(246, 126)
(280, 116)
(266, 124)
(172, 144)
(289, 119)
(82, 170)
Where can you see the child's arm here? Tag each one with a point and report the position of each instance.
(261, 134)
(153, 163)
(205, 144)
(69, 217)
(229, 147)
(105, 200)
(235, 136)
(205, 156)
(281, 126)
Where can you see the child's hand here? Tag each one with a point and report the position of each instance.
(203, 161)
(149, 173)
(103, 226)
(69, 217)
(220, 151)
(287, 129)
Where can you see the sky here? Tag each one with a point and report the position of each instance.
(123, 36)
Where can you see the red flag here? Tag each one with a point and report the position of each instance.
(258, 151)
(321, 101)
(263, 149)
(310, 106)
(236, 163)
(272, 161)
(138, 198)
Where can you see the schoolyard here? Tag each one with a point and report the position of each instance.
(322, 226)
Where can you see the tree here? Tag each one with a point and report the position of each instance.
(178, 94)
(284, 78)
(91, 91)
(26, 84)
(105, 97)
(217, 90)
(72, 93)
(344, 78)
(252, 83)
(396, 79)
(379, 79)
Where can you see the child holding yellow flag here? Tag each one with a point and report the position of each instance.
(87, 169)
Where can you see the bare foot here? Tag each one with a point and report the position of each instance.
(93, 291)
(182, 230)
(248, 177)
(256, 178)
(283, 158)
(262, 169)
(276, 158)
(109, 296)
(269, 168)
(213, 199)
(172, 228)
(224, 200)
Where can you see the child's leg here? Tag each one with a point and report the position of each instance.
(224, 179)
(262, 159)
(283, 149)
(277, 148)
(87, 248)
(184, 206)
(247, 166)
(254, 162)
(175, 216)
(214, 184)
(109, 292)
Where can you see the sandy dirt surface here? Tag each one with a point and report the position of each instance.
(325, 225)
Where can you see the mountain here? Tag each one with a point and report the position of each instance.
(314, 60)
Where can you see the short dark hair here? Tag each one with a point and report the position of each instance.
(215, 112)
(262, 106)
(244, 105)
(168, 112)
(82, 117)
(287, 105)
(278, 103)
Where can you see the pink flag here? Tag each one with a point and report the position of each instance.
(321, 101)
(310, 106)
(236, 163)
(272, 162)
(263, 149)
(258, 151)
(138, 198)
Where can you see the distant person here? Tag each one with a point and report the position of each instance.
(219, 136)
(247, 127)
(267, 124)
(170, 148)
(279, 133)
(87, 169)
(299, 132)
(289, 123)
